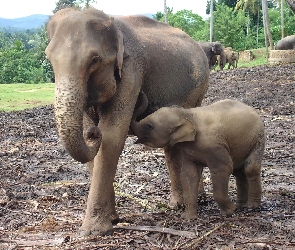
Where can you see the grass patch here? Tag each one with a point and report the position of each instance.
(260, 59)
(23, 96)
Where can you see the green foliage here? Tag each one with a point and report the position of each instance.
(158, 16)
(187, 21)
(275, 21)
(229, 3)
(85, 3)
(61, 4)
(229, 27)
(23, 62)
(21, 67)
(203, 34)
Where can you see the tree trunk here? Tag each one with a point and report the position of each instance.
(211, 21)
(248, 24)
(257, 30)
(165, 12)
(265, 31)
(282, 18)
(291, 3)
(267, 26)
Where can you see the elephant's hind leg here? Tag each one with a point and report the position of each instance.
(221, 167)
(253, 172)
(242, 188)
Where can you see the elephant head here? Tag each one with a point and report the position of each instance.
(217, 48)
(86, 52)
(166, 126)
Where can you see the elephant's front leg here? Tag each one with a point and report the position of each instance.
(190, 178)
(100, 204)
(172, 155)
(113, 215)
(100, 210)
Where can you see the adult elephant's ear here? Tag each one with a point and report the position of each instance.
(120, 52)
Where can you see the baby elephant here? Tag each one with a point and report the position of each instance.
(227, 137)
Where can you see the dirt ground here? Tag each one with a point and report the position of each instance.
(43, 191)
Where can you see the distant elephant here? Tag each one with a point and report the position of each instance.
(228, 56)
(226, 136)
(101, 63)
(220, 60)
(286, 43)
(211, 49)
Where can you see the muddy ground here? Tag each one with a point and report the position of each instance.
(43, 191)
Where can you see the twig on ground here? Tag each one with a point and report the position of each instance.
(266, 243)
(194, 241)
(142, 202)
(166, 230)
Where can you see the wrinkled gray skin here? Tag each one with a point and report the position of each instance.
(227, 137)
(211, 49)
(101, 64)
(286, 43)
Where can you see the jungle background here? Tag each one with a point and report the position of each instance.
(236, 23)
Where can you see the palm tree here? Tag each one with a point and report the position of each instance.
(250, 6)
(266, 24)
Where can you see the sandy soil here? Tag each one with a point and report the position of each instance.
(43, 191)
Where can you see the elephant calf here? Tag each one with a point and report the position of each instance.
(228, 56)
(227, 137)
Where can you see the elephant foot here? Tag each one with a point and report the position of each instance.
(176, 200)
(190, 213)
(241, 205)
(227, 212)
(254, 204)
(95, 226)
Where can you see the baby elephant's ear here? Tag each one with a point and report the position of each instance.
(186, 131)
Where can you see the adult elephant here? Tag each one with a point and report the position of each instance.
(211, 49)
(101, 64)
(286, 43)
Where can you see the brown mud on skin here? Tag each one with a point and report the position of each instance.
(43, 191)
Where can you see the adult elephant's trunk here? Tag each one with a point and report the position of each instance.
(70, 103)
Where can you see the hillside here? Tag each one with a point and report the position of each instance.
(29, 22)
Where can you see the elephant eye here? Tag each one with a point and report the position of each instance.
(150, 126)
(95, 59)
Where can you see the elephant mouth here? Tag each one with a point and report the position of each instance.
(93, 135)
(142, 140)
(147, 141)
